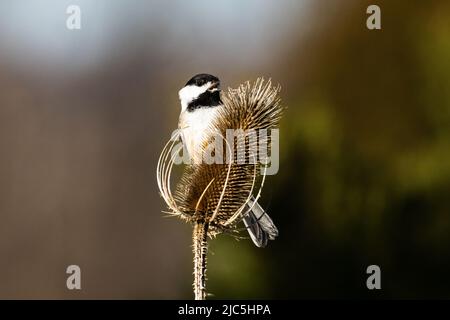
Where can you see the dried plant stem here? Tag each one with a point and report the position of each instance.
(199, 238)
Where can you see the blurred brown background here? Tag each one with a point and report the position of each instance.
(365, 146)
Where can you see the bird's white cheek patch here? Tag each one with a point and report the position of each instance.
(189, 93)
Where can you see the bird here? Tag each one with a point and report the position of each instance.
(201, 106)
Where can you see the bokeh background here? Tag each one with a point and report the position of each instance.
(365, 146)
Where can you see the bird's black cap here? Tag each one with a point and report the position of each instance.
(202, 78)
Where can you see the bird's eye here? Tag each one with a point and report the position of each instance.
(200, 82)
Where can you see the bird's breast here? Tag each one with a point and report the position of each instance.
(195, 129)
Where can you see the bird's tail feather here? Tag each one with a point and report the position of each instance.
(259, 225)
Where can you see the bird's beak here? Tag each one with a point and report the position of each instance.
(215, 85)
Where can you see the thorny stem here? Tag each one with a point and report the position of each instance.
(200, 248)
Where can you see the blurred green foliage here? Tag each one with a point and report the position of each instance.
(365, 165)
